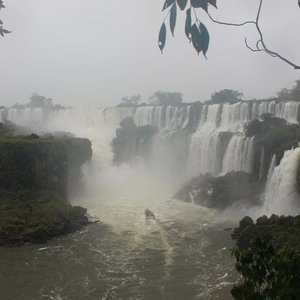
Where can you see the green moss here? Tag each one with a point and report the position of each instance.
(35, 175)
(50, 164)
(36, 216)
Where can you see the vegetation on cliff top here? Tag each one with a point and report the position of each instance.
(268, 258)
(273, 135)
(35, 176)
(35, 216)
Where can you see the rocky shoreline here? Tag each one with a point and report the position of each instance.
(37, 175)
(37, 216)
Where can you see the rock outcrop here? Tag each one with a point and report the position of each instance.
(36, 175)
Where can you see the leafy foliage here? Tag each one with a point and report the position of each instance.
(38, 101)
(165, 98)
(133, 100)
(195, 30)
(268, 258)
(35, 216)
(226, 96)
(290, 95)
(3, 31)
(267, 274)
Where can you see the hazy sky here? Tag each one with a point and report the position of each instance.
(93, 52)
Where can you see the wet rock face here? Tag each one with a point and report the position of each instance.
(35, 176)
(223, 191)
(48, 164)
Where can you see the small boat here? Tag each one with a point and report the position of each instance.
(149, 214)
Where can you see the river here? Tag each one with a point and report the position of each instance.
(184, 253)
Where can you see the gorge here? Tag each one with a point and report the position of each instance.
(185, 252)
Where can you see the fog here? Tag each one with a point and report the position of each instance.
(93, 53)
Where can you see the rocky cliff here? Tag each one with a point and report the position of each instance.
(48, 164)
(35, 178)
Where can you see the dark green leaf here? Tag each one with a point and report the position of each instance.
(200, 38)
(173, 16)
(162, 37)
(200, 4)
(212, 2)
(182, 4)
(196, 38)
(167, 4)
(3, 31)
(204, 38)
(188, 23)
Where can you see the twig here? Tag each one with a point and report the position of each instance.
(260, 44)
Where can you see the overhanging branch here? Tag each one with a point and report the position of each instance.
(260, 44)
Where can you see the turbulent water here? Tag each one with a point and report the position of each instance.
(201, 137)
(184, 253)
(281, 195)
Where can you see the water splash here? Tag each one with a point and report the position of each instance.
(281, 196)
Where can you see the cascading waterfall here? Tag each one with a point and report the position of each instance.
(126, 256)
(195, 132)
(239, 155)
(281, 195)
(271, 168)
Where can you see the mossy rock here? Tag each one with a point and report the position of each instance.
(32, 216)
(36, 163)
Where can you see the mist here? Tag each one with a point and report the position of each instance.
(126, 173)
(78, 53)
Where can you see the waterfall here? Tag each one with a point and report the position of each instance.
(239, 155)
(271, 168)
(262, 163)
(205, 154)
(190, 138)
(281, 196)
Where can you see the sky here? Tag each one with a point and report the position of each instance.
(92, 53)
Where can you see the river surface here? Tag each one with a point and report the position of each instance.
(182, 254)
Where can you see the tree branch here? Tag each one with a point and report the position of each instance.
(230, 24)
(260, 44)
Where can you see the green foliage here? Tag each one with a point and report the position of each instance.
(290, 95)
(268, 258)
(36, 215)
(166, 98)
(50, 164)
(130, 101)
(38, 101)
(3, 31)
(9, 130)
(226, 96)
(267, 274)
(195, 30)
